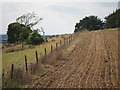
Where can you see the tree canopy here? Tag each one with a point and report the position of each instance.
(22, 30)
(113, 20)
(89, 23)
(17, 32)
(94, 23)
(29, 19)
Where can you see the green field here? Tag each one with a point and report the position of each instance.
(17, 57)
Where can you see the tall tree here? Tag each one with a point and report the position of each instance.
(29, 20)
(21, 29)
(113, 20)
(90, 23)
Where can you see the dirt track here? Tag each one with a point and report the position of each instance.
(93, 62)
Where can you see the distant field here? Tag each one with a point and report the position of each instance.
(3, 38)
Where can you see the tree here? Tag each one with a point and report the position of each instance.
(29, 19)
(15, 31)
(24, 34)
(113, 20)
(89, 23)
(22, 28)
(34, 38)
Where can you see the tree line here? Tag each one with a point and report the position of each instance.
(94, 23)
(22, 30)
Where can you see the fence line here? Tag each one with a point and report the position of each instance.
(67, 42)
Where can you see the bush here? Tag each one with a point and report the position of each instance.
(34, 38)
(53, 57)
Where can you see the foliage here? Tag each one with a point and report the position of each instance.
(20, 30)
(113, 20)
(29, 19)
(90, 23)
(34, 38)
(17, 58)
(17, 32)
(93, 23)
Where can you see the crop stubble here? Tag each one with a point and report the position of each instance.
(92, 63)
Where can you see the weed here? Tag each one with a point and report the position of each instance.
(36, 68)
(20, 77)
(53, 56)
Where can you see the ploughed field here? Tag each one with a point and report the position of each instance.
(92, 62)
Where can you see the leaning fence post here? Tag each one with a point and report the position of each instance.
(45, 52)
(51, 48)
(36, 57)
(26, 63)
(11, 71)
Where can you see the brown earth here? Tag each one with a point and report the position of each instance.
(92, 63)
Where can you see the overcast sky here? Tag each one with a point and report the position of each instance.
(59, 16)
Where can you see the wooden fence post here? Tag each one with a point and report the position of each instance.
(45, 52)
(31, 67)
(11, 71)
(3, 74)
(69, 39)
(46, 39)
(36, 57)
(60, 42)
(26, 63)
(67, 42)
(74, 36)
(64, 42)
(56, 45)
(51, 48)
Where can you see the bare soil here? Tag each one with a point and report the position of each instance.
(91, 63)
